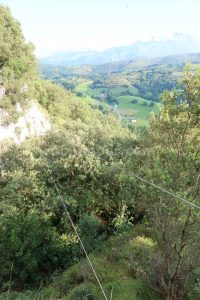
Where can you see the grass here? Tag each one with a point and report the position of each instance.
(83, 87)
(126, 108)
(120, 264)
(117, 269)
(137, 110)
(114, 264)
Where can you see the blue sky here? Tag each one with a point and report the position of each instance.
(54, 25)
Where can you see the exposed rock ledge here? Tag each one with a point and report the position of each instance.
(32, 122)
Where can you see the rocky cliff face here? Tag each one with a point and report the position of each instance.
(32, 122)
(18, 77)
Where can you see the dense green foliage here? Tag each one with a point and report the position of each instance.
(17, 64)
(77, 157)
(144, 243)
(173, 139)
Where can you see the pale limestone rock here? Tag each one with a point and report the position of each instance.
(2, 91)
(32, 123)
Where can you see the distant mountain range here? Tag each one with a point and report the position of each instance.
(179, 44)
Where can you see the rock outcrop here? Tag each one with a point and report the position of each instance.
(32, 122)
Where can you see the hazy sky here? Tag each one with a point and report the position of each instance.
(54, 25)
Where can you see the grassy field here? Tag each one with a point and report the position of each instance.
(138, 110)
(128, 110)
(83, 87)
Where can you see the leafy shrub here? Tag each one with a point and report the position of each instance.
(83, 292)
(30, 249)
(145, 103)
(151, 104)
(122, 221)
(91, 231)
(134, 101)
(80, 94)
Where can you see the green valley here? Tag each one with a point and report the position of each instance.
(135, 87)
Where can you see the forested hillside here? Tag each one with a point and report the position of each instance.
(142, 241)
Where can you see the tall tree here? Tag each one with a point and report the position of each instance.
(173, 161)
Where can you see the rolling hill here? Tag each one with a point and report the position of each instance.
(179, 43)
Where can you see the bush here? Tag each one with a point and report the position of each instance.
(82, 292)
(80, 94)
(151, 104)
(134, 101)
(29, 250)
(144, 103)
(90, 231)
(193, 286)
